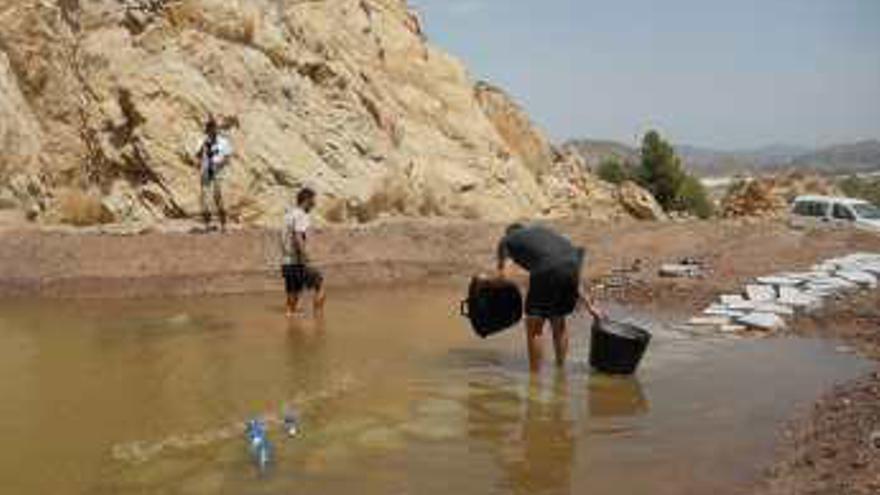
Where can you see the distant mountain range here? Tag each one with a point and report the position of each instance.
(862, 156)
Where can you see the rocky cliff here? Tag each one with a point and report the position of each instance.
(102, 103)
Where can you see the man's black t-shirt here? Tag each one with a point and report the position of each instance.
(537, 248)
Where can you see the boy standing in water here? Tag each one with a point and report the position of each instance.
(298, 275)
(554, 266)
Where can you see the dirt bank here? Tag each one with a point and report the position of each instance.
(834, 448)
(68, 264)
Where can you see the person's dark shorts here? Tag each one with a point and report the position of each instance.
(298, 278)
(553, 292)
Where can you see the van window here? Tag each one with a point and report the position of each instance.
(867, 211)
(842, 213)
(810, 208)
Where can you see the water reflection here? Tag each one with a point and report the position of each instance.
(306, 333)
(612, 396)
(530, 435)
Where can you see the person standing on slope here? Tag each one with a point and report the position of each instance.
(213, 156)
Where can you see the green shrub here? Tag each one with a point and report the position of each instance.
(612, 171)
(863, 188)
(692, 197)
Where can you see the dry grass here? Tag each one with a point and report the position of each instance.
(250, 22)
(335, 210)
(190, 13)
(392, 195)
(471, 212)
(80, 208)
(184, 13)
(432, 204)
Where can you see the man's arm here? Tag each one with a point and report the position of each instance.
(503, 262)
(586, 301)
(299, 246)
(199, 155)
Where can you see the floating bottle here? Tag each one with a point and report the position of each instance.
(258, 443)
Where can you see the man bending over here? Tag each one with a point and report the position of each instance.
(554, 265)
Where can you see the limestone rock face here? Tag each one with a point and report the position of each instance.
(639, 202)
(520, 136)
(109, 97)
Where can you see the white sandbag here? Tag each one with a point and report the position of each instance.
(778, 280)
(858, 277)
(722, 310)
(728, 299)
(791, 296)
(680, 271)
(710, 321)
(777, 309)
(763, 321)
(762, 293)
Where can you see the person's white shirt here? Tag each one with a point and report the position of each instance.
(296, 222)
(217, 159)
(300, 220)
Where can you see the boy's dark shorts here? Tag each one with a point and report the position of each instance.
(553, 292)
(298, 278)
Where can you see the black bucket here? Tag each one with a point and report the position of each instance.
(492, 306)
(617, 348)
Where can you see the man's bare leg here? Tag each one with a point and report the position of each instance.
(292, 302)
(318, 302)
(534, 327)
(206, 208)
(560, 340)
(221, 211)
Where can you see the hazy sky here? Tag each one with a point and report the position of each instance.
(721, 73)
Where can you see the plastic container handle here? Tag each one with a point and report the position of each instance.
(463, 309)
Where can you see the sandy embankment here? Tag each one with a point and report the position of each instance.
(63, 264)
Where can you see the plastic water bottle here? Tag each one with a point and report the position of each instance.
(291, 423)
(258, 443)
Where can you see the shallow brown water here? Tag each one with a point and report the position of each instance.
(396, 396)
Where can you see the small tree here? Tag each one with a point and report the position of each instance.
(611, 170)
(661, 171)
(662, 174)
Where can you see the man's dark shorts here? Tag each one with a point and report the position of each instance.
(298, 278)
(553, 292)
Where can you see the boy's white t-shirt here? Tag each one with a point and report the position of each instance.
(296, 221)
(300, 220)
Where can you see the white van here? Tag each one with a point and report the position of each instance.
(817, 211)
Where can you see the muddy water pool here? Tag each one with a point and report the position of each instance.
(394, 394)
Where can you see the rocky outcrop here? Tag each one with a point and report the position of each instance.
(771, 196)
(108, 97)
(640, 203)
(520, 135)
